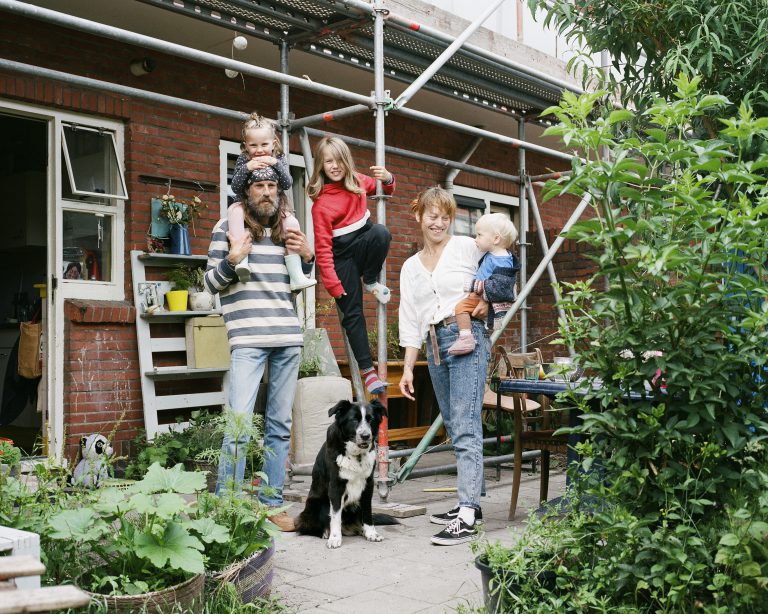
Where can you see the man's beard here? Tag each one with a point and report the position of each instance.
(262, 207)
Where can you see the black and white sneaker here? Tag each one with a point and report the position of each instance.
(457, 532)
(452, 514)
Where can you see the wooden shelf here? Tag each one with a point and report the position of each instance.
(160, 316)
(171, 373)
(151, 259)
(159, 409)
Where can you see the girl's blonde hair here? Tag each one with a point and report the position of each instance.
(501, 225)
(434, 197)
(259, 122)
(334, 147)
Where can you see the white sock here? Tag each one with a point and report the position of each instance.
(465, 333)
(467, 514)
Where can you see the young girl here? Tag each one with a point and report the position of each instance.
(261, 155)
(347, 244)
(495, 234)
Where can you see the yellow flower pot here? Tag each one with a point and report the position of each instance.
(177, 300)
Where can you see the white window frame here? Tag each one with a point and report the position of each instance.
(113, 290)
(70, 171)
(493, 201)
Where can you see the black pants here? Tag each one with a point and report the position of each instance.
(359, 254)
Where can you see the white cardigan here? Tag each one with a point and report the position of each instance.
(427, 298)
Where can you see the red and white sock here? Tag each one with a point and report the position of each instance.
(372, 382)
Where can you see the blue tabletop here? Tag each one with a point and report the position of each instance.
(551, 388)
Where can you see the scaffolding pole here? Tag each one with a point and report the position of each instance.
(446, 55)
(147, 42)
(523, 237)
(284, 118)
(406, 153)
(328, 116)
(534, 207)
(547, 176)
(487, 134)
(381, 100)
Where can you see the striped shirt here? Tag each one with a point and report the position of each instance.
(259, 313)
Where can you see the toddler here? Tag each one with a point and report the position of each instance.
(347, 245)
(262, 156)
(495, 234)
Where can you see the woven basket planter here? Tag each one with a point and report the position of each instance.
(252, 576)
(184, 597)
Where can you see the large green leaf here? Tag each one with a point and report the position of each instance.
(175, 548)
(209, 531)
(159, 479)
(81, 525)
(163, 505)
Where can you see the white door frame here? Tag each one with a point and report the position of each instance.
(56, 292)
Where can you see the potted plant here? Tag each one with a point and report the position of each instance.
(245, 558)
(140, 547)
(182, 278)
(10, 457)
(199, 298)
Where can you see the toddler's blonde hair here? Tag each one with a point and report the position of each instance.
(501, 225)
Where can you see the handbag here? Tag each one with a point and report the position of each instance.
(30, 364)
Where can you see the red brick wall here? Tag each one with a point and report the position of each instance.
(101, 363)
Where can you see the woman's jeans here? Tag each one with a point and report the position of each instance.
(459, 383)
(245, 373)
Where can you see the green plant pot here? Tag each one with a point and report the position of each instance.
(497, 584)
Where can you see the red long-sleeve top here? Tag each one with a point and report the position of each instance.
(338, 212)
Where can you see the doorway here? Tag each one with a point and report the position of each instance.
(24, 151)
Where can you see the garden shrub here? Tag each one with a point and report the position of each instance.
(672, 512)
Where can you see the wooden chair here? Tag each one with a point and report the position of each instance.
(532, 428)
(508, 365)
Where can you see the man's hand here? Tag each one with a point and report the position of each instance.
(296, 241)
(238, 248)
(481, 311)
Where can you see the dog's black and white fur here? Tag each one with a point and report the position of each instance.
(339, 500)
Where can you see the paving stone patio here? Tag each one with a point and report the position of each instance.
(405, 573)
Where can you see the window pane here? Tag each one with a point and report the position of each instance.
(465, 221)
(87, 252)
(92, 162)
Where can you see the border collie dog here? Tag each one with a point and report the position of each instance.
(339, 500)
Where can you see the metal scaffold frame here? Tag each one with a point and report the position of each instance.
(355, 16)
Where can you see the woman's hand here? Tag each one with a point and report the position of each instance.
(406, 383)
(480, 312)
(238, 248)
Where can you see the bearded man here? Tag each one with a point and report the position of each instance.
(263, 329)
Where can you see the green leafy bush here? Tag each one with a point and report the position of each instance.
(670, 509)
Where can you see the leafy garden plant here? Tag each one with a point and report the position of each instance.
(669, 507)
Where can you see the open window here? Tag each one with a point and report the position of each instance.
(90, 158)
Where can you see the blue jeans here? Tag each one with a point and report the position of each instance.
(459, 383)
(245, 375)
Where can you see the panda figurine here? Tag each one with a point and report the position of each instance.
(91, 471)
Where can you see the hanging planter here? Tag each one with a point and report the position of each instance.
(171, 218)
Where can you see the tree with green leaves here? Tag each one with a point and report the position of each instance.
(651, 42)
